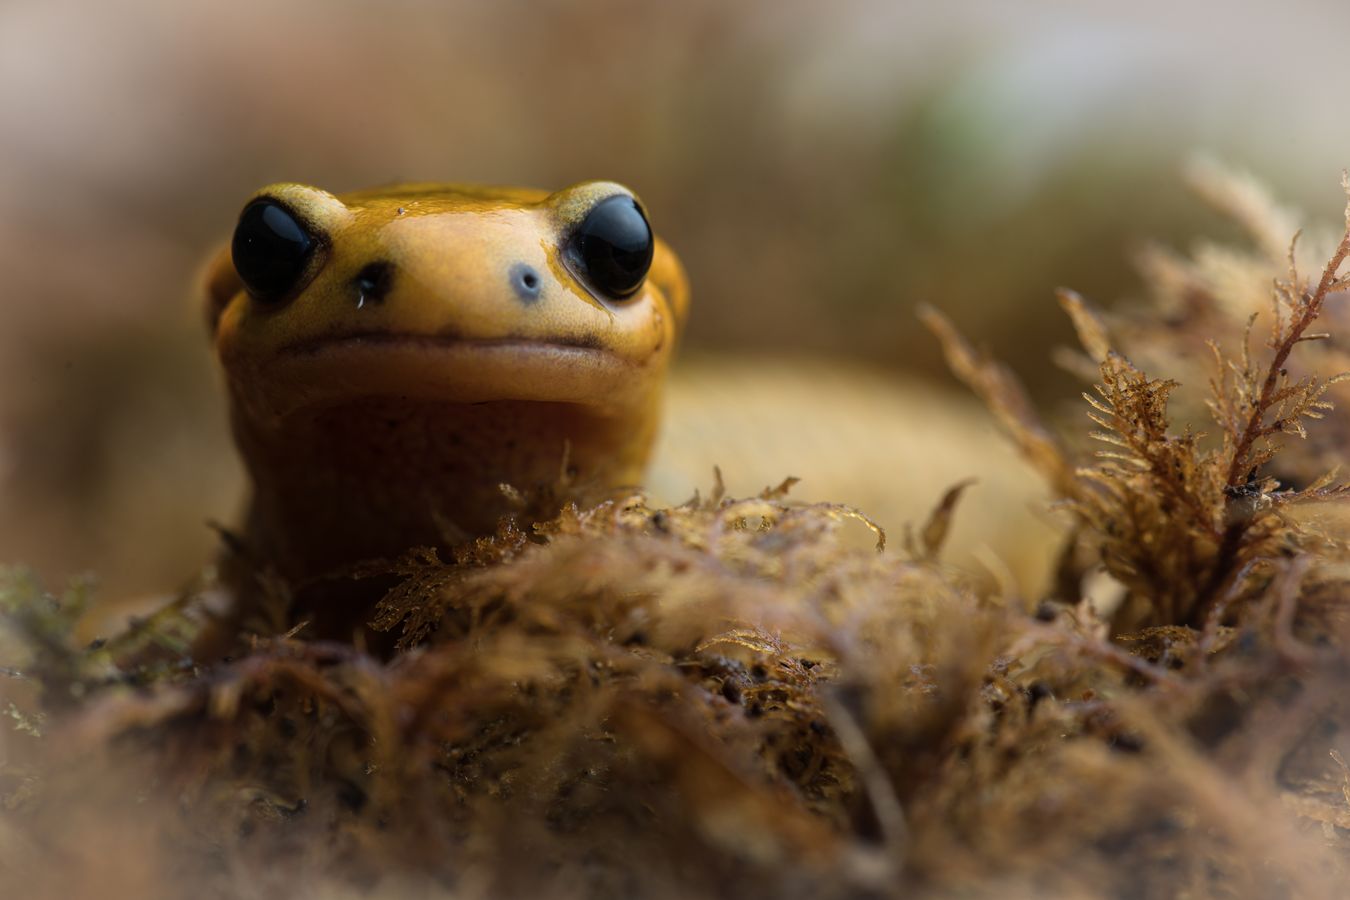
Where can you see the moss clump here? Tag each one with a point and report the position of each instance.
(734, 698)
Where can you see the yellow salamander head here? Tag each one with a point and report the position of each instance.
(445, 293)
(393, 356)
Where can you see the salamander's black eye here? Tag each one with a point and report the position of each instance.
(271, 249)
(613, 246)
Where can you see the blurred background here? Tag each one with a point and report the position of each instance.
(821, 169)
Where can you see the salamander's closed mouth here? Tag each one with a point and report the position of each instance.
(316, 345)
(333, 370)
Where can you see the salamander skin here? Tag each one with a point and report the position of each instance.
(393, 356)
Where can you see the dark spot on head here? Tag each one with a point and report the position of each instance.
(372, 283)
(525, 281)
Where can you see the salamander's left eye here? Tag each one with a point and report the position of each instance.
(271, 249)
(613, 246)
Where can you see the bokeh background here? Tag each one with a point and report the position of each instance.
(821, 168)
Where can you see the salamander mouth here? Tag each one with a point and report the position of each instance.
(330, 371)
(448, 340)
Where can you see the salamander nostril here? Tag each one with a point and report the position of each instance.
(372, 283)
(526, 282)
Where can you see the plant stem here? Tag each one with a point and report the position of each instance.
(1237, 470)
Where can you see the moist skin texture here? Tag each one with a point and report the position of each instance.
(441, 342)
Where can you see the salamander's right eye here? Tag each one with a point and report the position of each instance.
(271, 250)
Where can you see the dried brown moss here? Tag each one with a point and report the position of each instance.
(737, 697)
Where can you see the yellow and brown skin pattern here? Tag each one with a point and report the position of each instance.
(441, 342)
